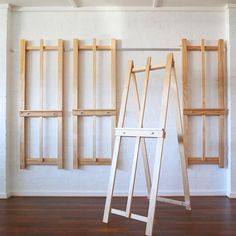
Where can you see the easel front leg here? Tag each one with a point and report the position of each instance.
(180, 137)
(107, 209)
(155, 184)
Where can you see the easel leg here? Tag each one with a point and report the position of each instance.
(179, 127)
(111, 180)
(155, 184)
(143, 144)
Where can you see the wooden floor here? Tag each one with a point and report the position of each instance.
(83, 216)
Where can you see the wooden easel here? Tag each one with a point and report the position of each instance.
(204, 111)
(140, 134)
(94, 111)
(26, 114)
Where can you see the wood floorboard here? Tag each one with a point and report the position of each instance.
(58, 216)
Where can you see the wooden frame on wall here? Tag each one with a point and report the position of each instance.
(26, 114)
(94, 112)
(203, 111)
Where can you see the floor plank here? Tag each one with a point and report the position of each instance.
(58, 216)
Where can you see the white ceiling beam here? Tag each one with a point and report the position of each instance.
(156, 3)
(73, 3)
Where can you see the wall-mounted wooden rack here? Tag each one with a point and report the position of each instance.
(26, 114)
(204, 111)
(94, 112)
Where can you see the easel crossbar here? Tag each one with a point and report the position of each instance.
(143, 69)
(126, 214)
(142, 132)
(172, 201)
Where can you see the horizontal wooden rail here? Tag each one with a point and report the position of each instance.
(99, 161)
(172, 201)
(42, 161)
(207, 160)
(94, 112)
(198, 48)
(45, 48)
(98, 48)
(35, 113)
(143, 69)
(205, 112)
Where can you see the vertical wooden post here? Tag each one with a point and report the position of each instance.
(94, 96)
(203, 54)
(60, 99)
(113, 89)
(185, 94)
(42, 98)
(221, 103)
(75, 101)
(159, 147)
(23, 45)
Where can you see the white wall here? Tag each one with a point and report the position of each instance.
(231, 36)
(134, 30)
(4, 59)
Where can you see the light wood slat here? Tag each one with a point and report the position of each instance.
(138, 217)
(41, 161)
(198, 48)
(60, 102)
(31, 113)
(99, 161)
(23, 45)
(143, 69)
(98, 47)
(208, 160)
(94, 112)
(75, 102)
(132, 216)
(203, 98)
(221, 102)
(140, 132)
(119, 212)
(206, 112)
(45, 48)
(172, 201)
(94, 98)
(185, 94)
(113, 90)
(41, 98)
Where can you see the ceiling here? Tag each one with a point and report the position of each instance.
(118, 3)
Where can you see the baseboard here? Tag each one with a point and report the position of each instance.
(231, 195)
(103, 193)
(5, 195)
